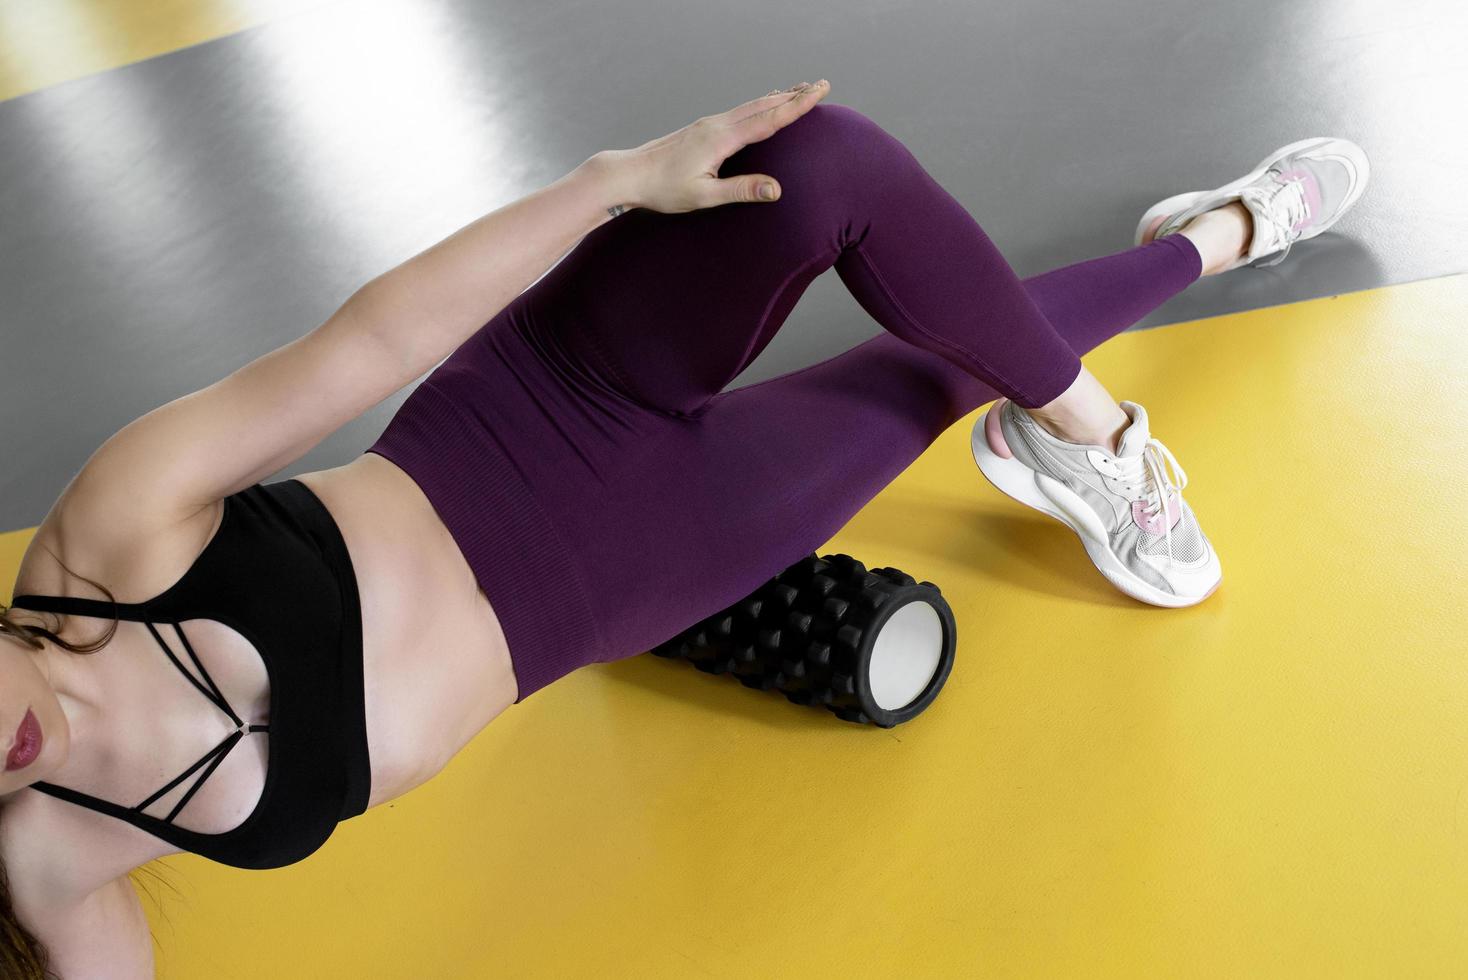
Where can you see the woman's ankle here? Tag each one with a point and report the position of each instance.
(1085, 432)
(1221, 236)
(1085, 413)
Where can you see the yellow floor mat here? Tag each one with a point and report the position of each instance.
(46, 42)
(1267, 785)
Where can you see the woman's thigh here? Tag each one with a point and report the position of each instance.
(670, 308)
(705, 511)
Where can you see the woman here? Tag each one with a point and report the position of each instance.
(570, 485)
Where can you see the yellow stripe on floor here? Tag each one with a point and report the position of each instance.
(1271, 784)
(46, 42)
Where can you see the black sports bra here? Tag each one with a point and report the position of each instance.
(277, 571)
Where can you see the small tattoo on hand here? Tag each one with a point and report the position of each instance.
(616, 209)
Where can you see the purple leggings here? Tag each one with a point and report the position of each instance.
(608, 493)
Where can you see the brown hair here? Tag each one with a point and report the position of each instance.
(22, 955)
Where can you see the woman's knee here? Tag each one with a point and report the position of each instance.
(848, 127)
(831, 144)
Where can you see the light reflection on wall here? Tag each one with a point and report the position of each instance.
(1395, 74)
(388, 127)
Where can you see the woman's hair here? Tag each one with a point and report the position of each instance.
(22, 956)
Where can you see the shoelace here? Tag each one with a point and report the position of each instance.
(1158, 469)
(1282, 202)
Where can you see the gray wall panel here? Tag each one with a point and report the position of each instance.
(163, 223)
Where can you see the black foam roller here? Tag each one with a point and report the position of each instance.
(809, 633)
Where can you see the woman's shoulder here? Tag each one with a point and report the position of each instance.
(135, 552)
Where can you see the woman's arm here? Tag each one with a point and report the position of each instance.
(187, 454)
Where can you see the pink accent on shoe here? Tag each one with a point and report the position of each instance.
(1152, 523)
(994, 434)
(1311, 187)
(1150, 234)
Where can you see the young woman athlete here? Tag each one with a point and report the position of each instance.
(571, 484)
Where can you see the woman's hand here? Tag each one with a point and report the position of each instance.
(679, 172)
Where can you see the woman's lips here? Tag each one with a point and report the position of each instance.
(27, 743)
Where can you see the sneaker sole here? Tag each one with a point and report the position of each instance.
(1016, 480)
(1179, 202)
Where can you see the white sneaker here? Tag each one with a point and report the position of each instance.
(1295, 193)
(1126, 507)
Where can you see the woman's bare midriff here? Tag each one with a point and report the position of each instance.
(435, 663)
